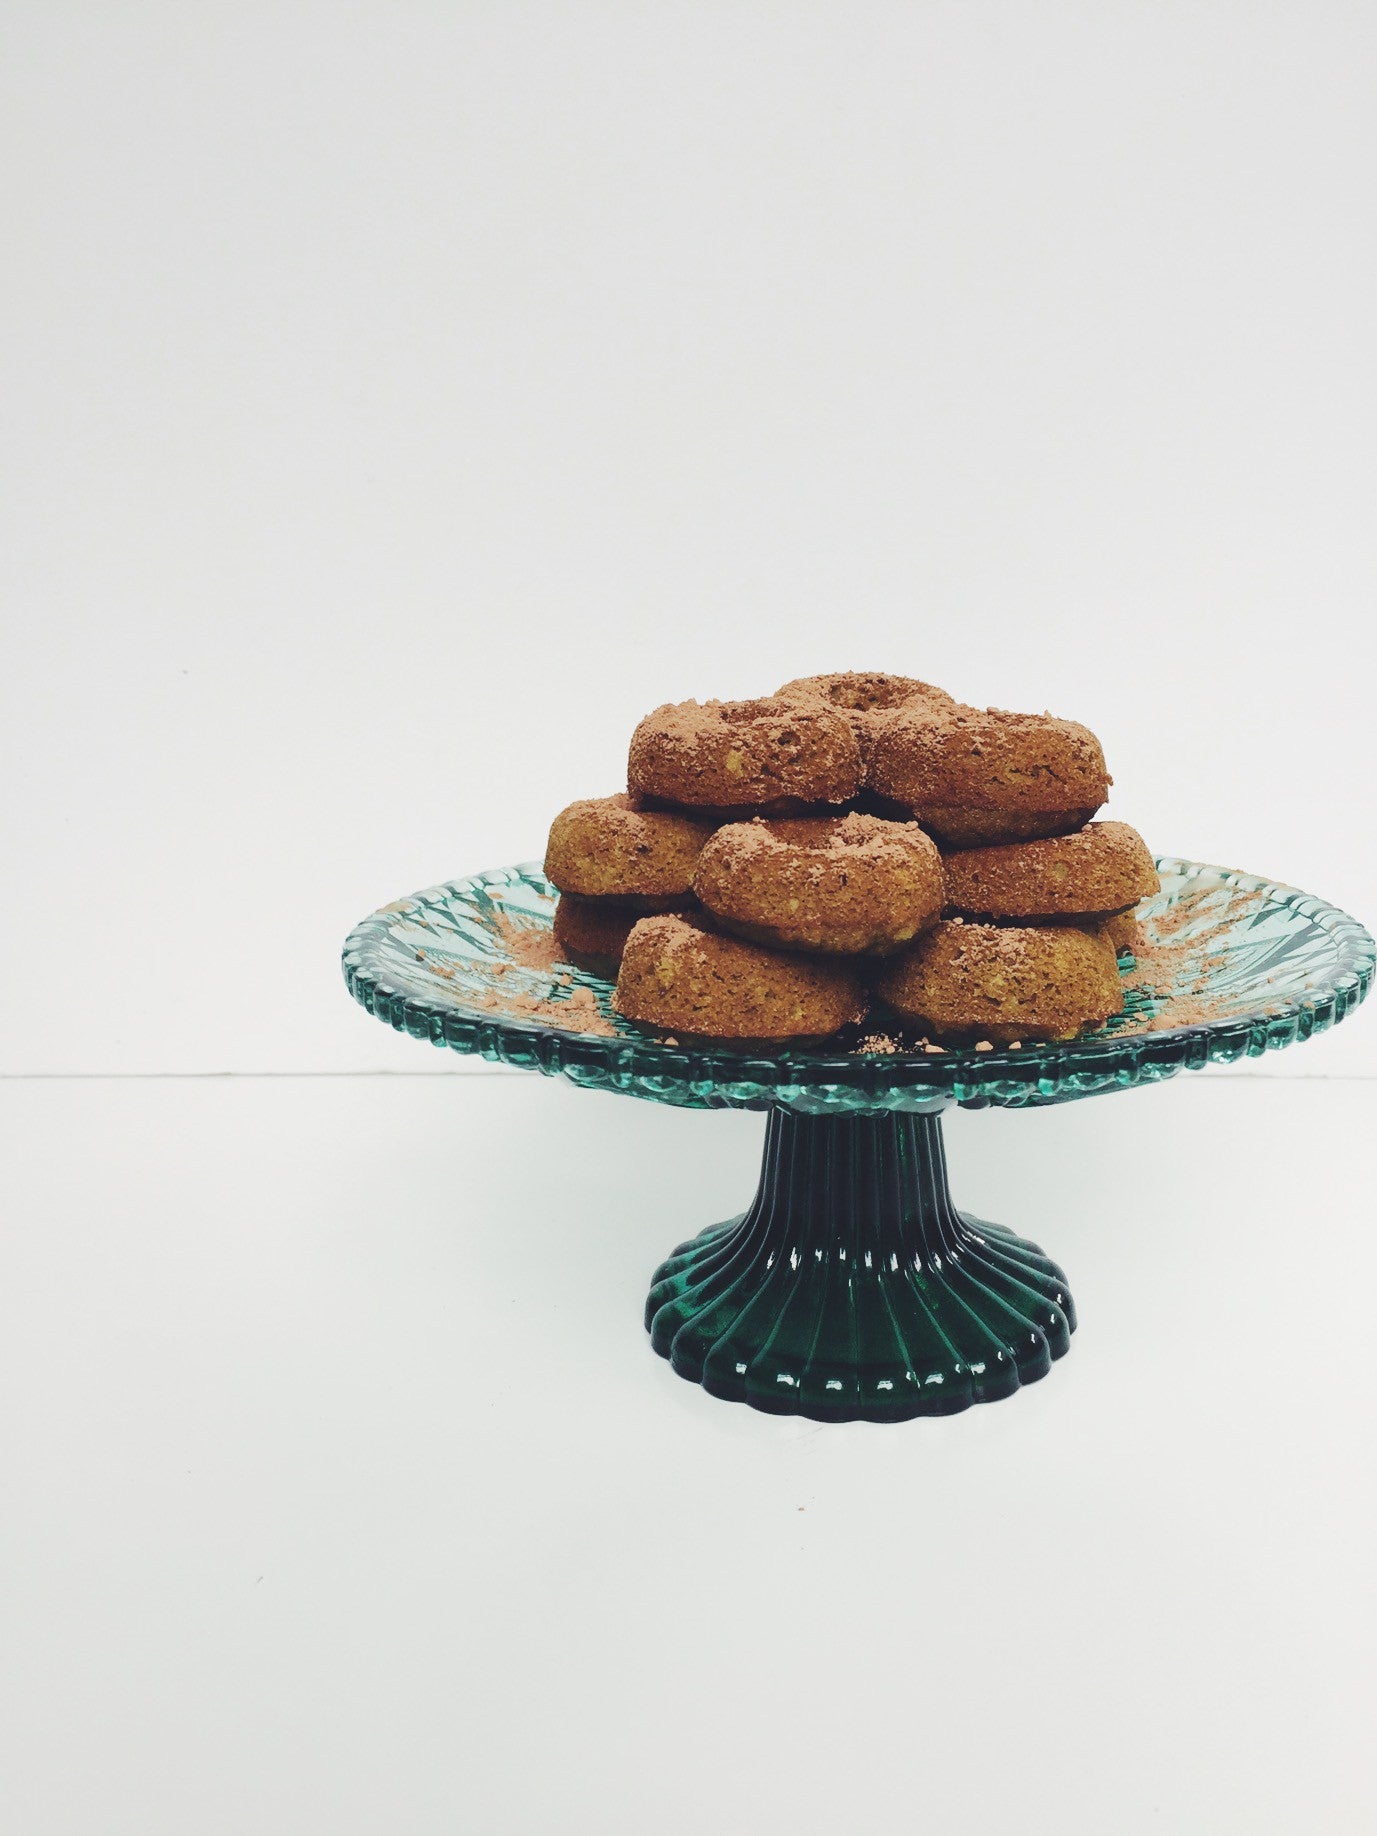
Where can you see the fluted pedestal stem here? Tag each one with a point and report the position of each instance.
(853, 1289)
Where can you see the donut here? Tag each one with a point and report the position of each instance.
(975, 776)
(769, 757)
(592, 933)
(1124, 932)
(840, 884)
(1101, 869)
(605, 848)
(968, 982)
(863, 695)
(677, 976)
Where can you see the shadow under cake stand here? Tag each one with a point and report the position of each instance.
(852, 1288)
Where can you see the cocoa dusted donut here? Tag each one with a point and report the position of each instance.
(840, 884)
(979, 775)
(771, 757)
(592, 933)
(605, 848)
(862, 695)
(1100, 869)
(971, 982)
(684, 979)
(1124, 933)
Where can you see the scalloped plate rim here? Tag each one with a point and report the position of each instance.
(940, 1071)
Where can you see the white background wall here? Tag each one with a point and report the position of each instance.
(400, 400)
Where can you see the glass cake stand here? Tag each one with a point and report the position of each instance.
(852, 1288)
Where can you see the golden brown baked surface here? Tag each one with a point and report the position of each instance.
(766, 756)
(591, 933)
(834, 884)
(980, 775)
(604, 848)
(1102, 868)
(971, 982)
(771, 857)
(684, 979)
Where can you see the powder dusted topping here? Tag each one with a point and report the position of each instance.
(532, 946)
(845, 885)
(989, 762)
(747, 805)
(980, 729)
(678, 976)
(605, 847)
(860, 695)
(863, 691)
(726, 755)
(1177, 960)
(1103, 867)
(527, 990)
(999, 983)
(825, 839)
(579, 1013)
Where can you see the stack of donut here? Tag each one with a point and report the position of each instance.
(777, 869)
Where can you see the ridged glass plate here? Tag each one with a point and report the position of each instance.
(1269, 965)
(852, 1288)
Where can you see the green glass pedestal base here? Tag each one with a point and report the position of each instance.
(853, 1289)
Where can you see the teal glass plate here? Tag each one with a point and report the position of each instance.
(852, 1288)
(1286, 965)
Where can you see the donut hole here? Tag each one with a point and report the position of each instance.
(863, 697)
(864, 692)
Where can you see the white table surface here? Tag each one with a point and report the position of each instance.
(342, 1492)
